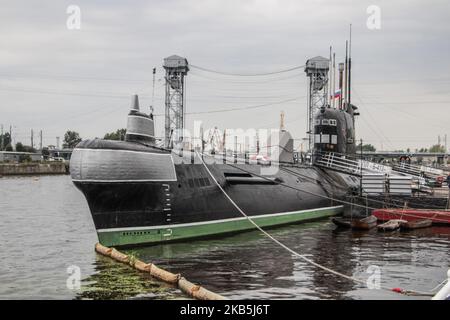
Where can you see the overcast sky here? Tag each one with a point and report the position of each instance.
(54, 79)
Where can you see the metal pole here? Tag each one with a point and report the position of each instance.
(350, 67)
(153, 89)
(445, 143)
(341, 70)
(1, 146)
(334, 80)
(235, 149)
(183, 111)
(10, 135)
(448, 199)
(310, 115)
(329, 77)
(201, 140)
(167, 111)
(345, 74)
(360, 169)
(257, 142)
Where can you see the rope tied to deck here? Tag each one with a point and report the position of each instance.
(323, 196)
(337, 273)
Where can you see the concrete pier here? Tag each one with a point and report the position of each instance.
(33, 168)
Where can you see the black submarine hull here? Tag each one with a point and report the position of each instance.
(139, 194)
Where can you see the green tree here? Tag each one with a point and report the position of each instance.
(24, 158)
(19, 147)
(9, 147)
(71, 139)
(366, 148)
(5, 139)
(437, 148)
(29, 149)
(119, 134)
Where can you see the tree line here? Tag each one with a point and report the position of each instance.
(437, 148)
(72, 138)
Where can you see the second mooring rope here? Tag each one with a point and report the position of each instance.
(328, 197)
(351, 278)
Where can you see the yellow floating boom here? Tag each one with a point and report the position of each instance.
(192, 290)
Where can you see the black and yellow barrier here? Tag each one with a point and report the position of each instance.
(192, 290)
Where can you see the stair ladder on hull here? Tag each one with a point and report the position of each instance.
(338, 163)
(342, 163)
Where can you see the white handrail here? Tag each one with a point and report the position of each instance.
(444, 293)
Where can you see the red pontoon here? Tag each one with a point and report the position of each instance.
(437, 216)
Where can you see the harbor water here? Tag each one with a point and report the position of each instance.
(46, 232)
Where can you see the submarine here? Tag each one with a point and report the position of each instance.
(139, 193)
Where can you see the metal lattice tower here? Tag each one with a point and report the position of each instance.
(176, 69)
(317, 71)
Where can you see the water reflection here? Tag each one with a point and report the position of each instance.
(114, 280)
(249, 265)
(53, 229)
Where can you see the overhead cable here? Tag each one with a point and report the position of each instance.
(245, 74)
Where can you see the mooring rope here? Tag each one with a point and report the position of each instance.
(351, 278)
(327, 197)
(391, 203)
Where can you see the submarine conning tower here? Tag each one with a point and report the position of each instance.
(140, 126)
(334, 132)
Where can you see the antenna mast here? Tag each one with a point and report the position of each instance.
(334, 80)
(153, 91)
(346, 75)
(330, 75)
(350, 67)
(341, 70)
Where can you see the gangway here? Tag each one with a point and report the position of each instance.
(418, 171)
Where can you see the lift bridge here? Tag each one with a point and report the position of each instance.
(317, 70)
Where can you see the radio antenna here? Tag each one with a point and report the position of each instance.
(153, 91)
(350, 66)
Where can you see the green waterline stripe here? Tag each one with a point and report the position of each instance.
(215, 221)
(130, 236)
